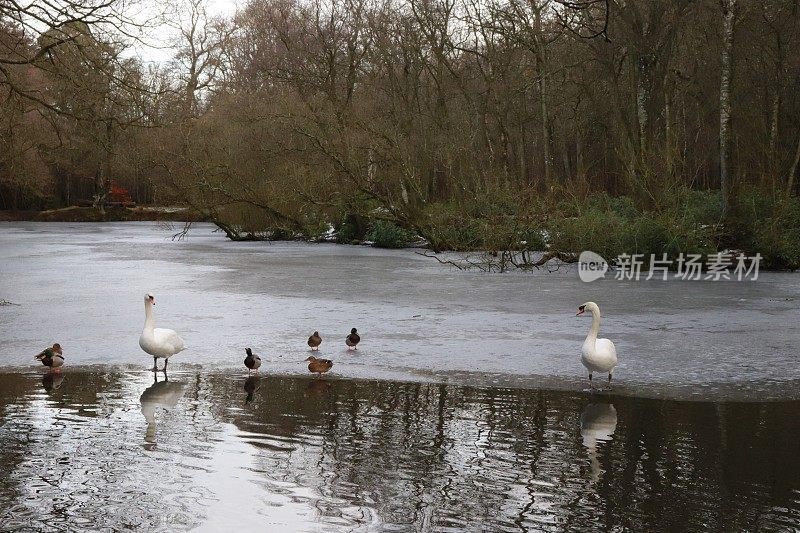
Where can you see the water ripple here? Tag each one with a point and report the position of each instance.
(120, 451)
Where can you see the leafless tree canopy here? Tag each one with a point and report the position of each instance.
(292, 114)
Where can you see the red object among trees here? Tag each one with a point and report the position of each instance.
(119, 194)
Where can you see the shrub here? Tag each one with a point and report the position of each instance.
(446, 228)
(777, 237)
(611, 233)
(347, 233)
(386, 234)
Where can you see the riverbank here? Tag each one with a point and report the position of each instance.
(112, 214)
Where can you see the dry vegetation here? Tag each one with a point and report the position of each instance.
(660, 126)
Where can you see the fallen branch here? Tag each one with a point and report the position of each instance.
(500, 261)
(6, 302)
(442, 261)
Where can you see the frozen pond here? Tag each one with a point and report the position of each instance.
(464, 408)
(82, 285)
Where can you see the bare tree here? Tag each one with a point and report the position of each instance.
(728, 7)
(201, 43)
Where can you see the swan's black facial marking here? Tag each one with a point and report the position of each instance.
(581, 310)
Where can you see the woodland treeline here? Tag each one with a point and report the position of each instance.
(660, 126)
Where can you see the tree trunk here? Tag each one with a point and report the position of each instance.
(668, 131)
(724, 99)
(565, 159)
(641, 102)
(793, 170)
(541, 69)
(772, 155)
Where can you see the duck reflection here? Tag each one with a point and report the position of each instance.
(164, 394)
(251, 385)
(52, 381)
(317, 387)
(598, 423)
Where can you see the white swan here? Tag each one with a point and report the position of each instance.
(158, 342)
(597, 355)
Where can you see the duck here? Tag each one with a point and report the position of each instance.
(318, 366)
(353, 339)
(597, 355)
(52, 357)
(252, 361)
(158, 342)
(314, 341)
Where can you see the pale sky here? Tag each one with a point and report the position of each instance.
(160, 37)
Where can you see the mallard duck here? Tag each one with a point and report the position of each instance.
(318, 366)
(252, 361)
(314, 341)
(52, 357)
(352, 340)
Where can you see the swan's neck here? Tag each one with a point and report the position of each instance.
(592, 336)
(149, 319)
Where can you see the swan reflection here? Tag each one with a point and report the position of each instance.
(251, 385)
(52, 381)
(598, 423)
(164, 394)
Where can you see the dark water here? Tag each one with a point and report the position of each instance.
(112, 450)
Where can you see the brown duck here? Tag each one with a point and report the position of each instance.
(318, 366)
(352, 340)
(314, 341)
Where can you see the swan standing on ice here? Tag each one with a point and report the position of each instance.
(158, 342)
(597, 355)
